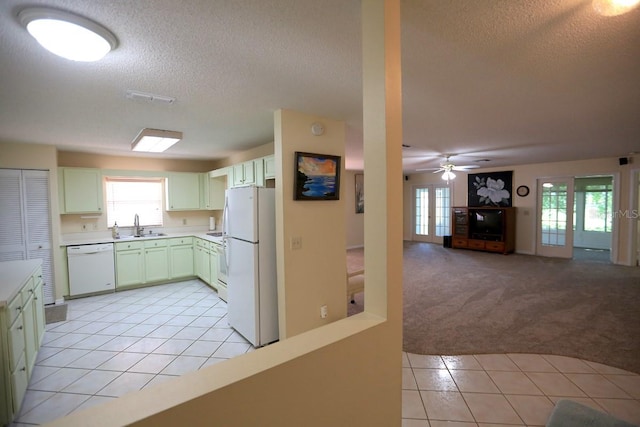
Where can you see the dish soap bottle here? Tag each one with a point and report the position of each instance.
(114, 231)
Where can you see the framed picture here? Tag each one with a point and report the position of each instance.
(359, 193)
(490, 189)
(317, 177)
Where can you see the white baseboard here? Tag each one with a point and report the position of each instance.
(60, 301)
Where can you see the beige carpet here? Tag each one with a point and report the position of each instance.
(467, 302)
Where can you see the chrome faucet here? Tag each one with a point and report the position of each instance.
(137, 230)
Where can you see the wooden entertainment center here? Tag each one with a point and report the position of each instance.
(490, 229)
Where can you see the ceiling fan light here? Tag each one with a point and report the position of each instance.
(614, 7)
(67, 35)
(448, 175)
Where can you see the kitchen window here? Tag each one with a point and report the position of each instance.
(127, 197)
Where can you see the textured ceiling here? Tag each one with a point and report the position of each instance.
(511, 81)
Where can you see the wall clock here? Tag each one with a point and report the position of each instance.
(522, 191)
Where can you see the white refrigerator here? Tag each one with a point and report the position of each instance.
(252, 301)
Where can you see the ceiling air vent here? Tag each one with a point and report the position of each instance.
(149, 97)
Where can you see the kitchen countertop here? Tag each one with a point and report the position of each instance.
(13, 275)
(78, 240)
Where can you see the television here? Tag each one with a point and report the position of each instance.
(486, 224)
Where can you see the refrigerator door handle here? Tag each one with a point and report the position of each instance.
(225, 215)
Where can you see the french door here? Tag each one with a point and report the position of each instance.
(431, 213)
(555, 217)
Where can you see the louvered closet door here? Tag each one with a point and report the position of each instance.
(12, 236)
(38, 226)
(25, 221)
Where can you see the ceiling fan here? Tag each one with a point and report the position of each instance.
(447, 169)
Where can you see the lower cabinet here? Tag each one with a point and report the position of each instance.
(129, 263)
(202, 264)
(21, 332)
(181, 257)
(156, 257)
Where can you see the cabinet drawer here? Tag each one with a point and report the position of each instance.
(494, 246)
(127, 246)
(16, 342)
(159, 243)
(179, 241)
(15, 308)
(27, 290)
(459, 243)
(476, 244)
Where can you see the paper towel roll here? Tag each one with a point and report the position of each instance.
(212, 223)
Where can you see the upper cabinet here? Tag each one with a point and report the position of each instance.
(244, 174)
(212, 192)
(269, 167)
(248, 173)
(80, 190)
(183, 191)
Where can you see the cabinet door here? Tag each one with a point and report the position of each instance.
(269, 167)
(213, 267)
(249, 173)
(19, 382)
(16, 342)
(82, 190)
(238, 174)
(38, 308)
(183, 191)
(129, 267)
(156, 261)
(181, 261)
(30, 346)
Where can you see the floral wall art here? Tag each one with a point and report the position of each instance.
(490, 189)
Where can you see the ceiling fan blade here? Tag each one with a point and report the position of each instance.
(463, 168)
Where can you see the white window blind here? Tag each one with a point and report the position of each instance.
(127, 197)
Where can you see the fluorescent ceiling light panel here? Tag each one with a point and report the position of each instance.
(155, 140)
(67, 35)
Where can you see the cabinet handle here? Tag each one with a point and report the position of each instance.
(31, 290)
(19, 328)
(24, 368)
(19, 308)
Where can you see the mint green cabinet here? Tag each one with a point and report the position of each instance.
(183, 191)
(269, 167)
(129, 263)
(244, 174)
(181, 256)
(21, 329)
(213, 264)
(202, 264)
(156, 260)
(80, 190)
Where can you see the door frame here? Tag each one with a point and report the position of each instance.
(565, 251)
(431, 237)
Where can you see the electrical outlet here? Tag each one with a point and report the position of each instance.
(324, 312)
(296, 243)
(84, 227)
(184, 221)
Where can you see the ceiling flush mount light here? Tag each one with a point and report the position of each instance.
(614, 7)
(67, 35)
(155, 140)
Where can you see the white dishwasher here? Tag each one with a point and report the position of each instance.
(91, 269)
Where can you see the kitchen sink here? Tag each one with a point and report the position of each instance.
(153, 235)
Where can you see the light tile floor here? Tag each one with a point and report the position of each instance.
(509, 389)
(116, 343)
